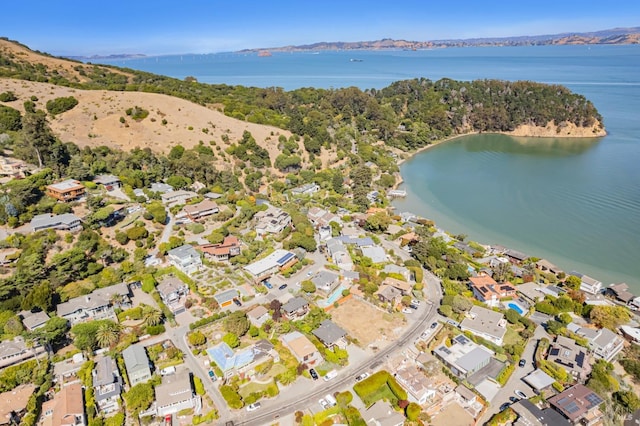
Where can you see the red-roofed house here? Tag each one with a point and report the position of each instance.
(220, 252)
(487, 290)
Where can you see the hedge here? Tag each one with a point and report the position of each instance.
(231, 396)
(505, 374)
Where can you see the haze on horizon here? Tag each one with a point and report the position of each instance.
(201, 26)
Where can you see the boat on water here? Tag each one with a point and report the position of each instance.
(356, 60)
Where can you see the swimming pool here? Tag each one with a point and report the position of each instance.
(515, 307)
(333, 297)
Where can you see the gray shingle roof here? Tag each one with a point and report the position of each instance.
(329, 332)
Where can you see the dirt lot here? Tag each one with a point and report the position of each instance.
(357, 318)
(452, 415)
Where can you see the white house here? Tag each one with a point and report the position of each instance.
(588, 284)
(175, 394)
(185, 258)
(485, 323)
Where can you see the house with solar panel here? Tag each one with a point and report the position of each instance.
(572, 357)
(271, 221)
(272, 264)
(463, 357)
(578, 404)
(241, 362)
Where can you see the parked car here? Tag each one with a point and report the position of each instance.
(522, 363)
(331, 400)
(407, 311)
(434, 325)
(282, 287)
(412, 306)
(415, 302)
(253, 407)
(212, 375)
(362, 377)
(237, 302)
(330, 375)
(268, 285)
(324, 403)
(504, 406)
(513, 399)
(313, 374)
(520, 394)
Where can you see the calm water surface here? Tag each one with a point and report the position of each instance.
(574, 202)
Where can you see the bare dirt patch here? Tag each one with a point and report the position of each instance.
(364, 322)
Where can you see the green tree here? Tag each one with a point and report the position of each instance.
(610, 317)
(231, 339)
(151, 315)
(197, 338)
(139, 397)
(308, 286)
(378, 222)
(107, 334)
(572, 282)
(10, 119)
(413, 411)
(628, 400)
(237, 323)
(460, 304)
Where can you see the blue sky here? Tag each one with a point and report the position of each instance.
(201, 26)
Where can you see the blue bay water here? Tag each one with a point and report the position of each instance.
(574, 202)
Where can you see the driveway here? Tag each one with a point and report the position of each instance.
(515, 381)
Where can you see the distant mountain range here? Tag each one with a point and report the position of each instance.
(611, 36)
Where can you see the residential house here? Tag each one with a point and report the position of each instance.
(13, 404)
(295, 308)
(110, 182)
(223, 251)
(578, 404)
(97, 305)
(515, 256)
(531, 292)
(65, 372)
(339, 254)
(68, 190)
(258, 315)
(137, 364)
(402, 271)
(301, 348)
(539, 381)
(17, 350)
(107, 385)
(225, 298)
(326, 281)
(174, 198)
(271, 221)
(376, 254)
(403, 286)
(631, 333)
(463, 357)
(570, 356)
(320, 217)
(604, 343)
(173, 293)
(530, 415)
(276, 261)
(487, 290)
(33, 320)
(382, 414)
(161, 187)
(546, 266)
(175, 393)
(65, 409)
(306, 189)
(620, 292)
(419, 387)
(242, 361)
(186, 258)
(485, 323)
(388, 294)
(330, 334)
(60, 222)
(588, 284)
(199, 210)
(325, 233)
(12, 167)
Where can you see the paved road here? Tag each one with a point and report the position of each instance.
(515, 381)
(272, 409)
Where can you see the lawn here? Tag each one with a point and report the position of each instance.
(253, 387)
(511, 337)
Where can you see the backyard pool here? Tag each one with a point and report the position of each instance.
(333, 297)
(516, 307)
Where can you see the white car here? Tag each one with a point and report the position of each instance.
(253, 407)
(407, 311)
(415, 302)
(324, 403)
(362, 377)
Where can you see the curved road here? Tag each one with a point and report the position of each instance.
(281, 408)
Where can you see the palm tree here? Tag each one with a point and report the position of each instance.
(151, 316)
(107, 334)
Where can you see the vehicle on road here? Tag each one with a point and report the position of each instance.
(253, 407)
(237, 302)
(313, 374)
(504, 406)
(522, 363)
(434, 325)
(407, 311)
(412, 306)
(282, 287)
(330, 375)
(309, 273)
(267, 284)
(362, 377)
(520, 394)
(513, 399)
(415, 302)
(212, 375)
(323, 403)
